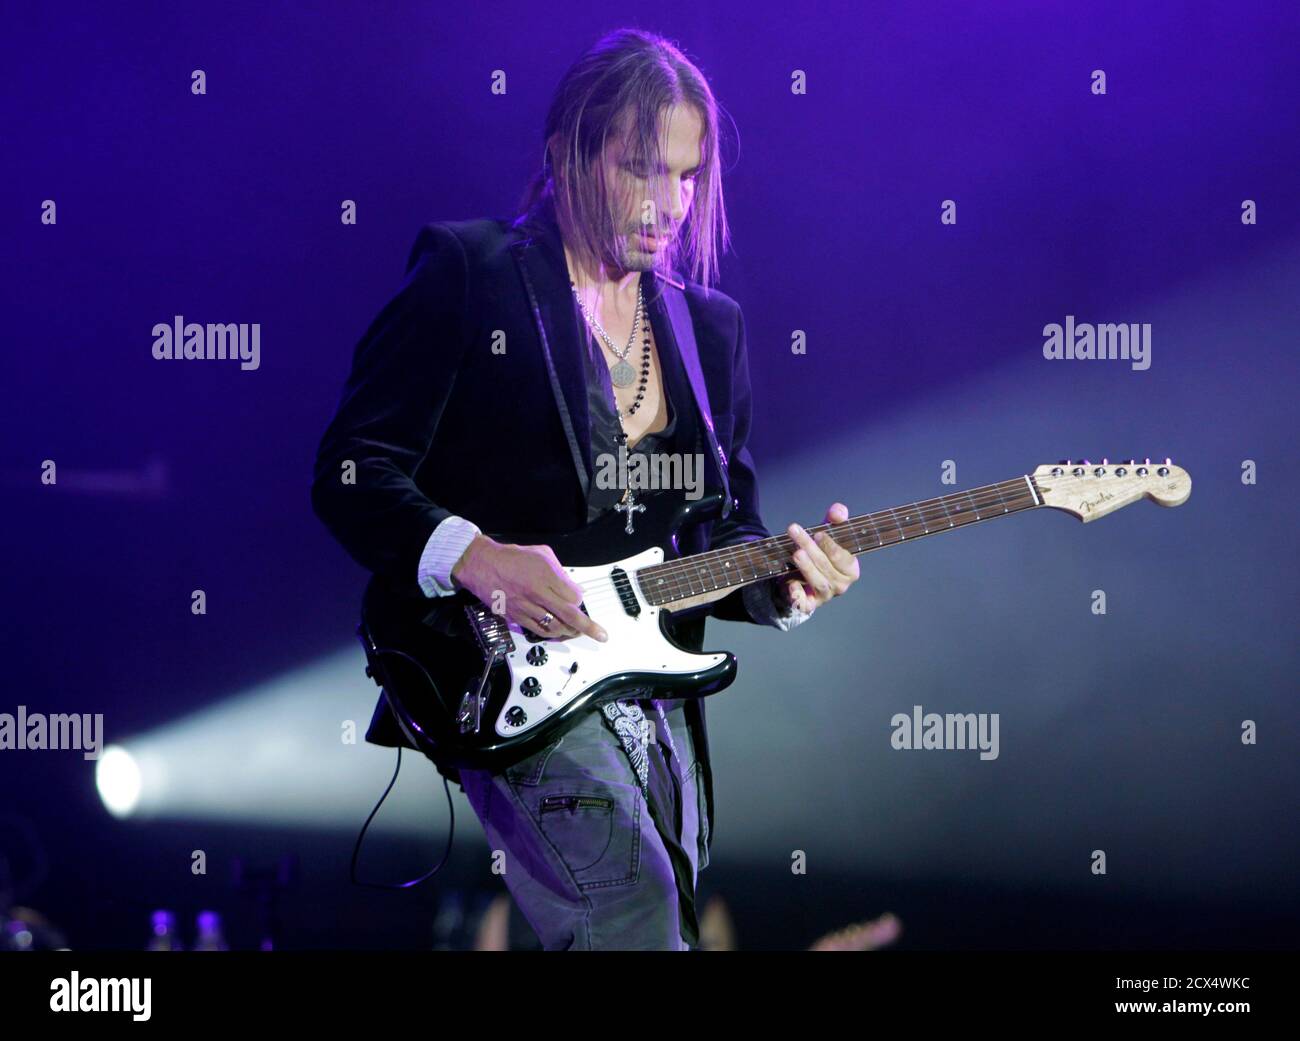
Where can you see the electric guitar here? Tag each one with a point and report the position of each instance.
(476, 690)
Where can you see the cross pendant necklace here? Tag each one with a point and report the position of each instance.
(628, 503)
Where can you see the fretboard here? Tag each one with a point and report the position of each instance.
(762, 559)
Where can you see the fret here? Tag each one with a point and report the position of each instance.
(720, 570)
(729, 569)
(758, 559)
(905, 524)
(901, 535)
(943, 502)
(871, 519)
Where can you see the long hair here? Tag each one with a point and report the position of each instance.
(622, 85)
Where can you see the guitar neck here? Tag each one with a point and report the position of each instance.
(761, 559)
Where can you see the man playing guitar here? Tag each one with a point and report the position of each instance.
(478, 400)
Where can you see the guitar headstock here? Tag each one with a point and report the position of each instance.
(1092, 490)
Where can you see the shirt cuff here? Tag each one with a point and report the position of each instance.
(760, 601)
(445, 546)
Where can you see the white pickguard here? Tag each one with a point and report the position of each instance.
(635, 645)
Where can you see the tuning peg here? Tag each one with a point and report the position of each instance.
(1104, 461)
(1085, 462)
(1063, 462)
(1168, 461)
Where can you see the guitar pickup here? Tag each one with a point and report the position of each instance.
(623, 586)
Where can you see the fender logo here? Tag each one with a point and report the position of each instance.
(1088, 505)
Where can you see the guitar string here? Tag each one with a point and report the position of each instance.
(603, 593)
(681, 582)
(980, 498)
(986, 497)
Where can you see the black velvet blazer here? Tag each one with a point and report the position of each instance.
(467, 395)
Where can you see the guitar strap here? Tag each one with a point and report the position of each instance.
(679, 318)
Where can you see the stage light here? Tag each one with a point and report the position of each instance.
(289, 752)
(117, 776)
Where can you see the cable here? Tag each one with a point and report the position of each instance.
(400, 716)
(356, 850)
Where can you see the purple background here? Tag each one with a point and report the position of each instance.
(925, 342)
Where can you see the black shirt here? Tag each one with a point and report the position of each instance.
(664, 791)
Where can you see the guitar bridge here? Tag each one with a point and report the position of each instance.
(495, 641)
(490, 630)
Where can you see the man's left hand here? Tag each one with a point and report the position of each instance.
(828, 569)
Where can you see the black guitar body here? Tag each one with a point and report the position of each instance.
(426, 654)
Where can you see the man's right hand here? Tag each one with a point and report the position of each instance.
(532, 582)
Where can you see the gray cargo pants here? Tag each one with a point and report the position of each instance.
(580, 851)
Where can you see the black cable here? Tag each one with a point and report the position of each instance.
(400, 716)
(356, 850)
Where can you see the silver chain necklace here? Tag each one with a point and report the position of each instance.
(622, 374)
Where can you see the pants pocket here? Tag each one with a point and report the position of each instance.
(596, 834)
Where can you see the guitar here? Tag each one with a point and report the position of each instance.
(479, 691)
